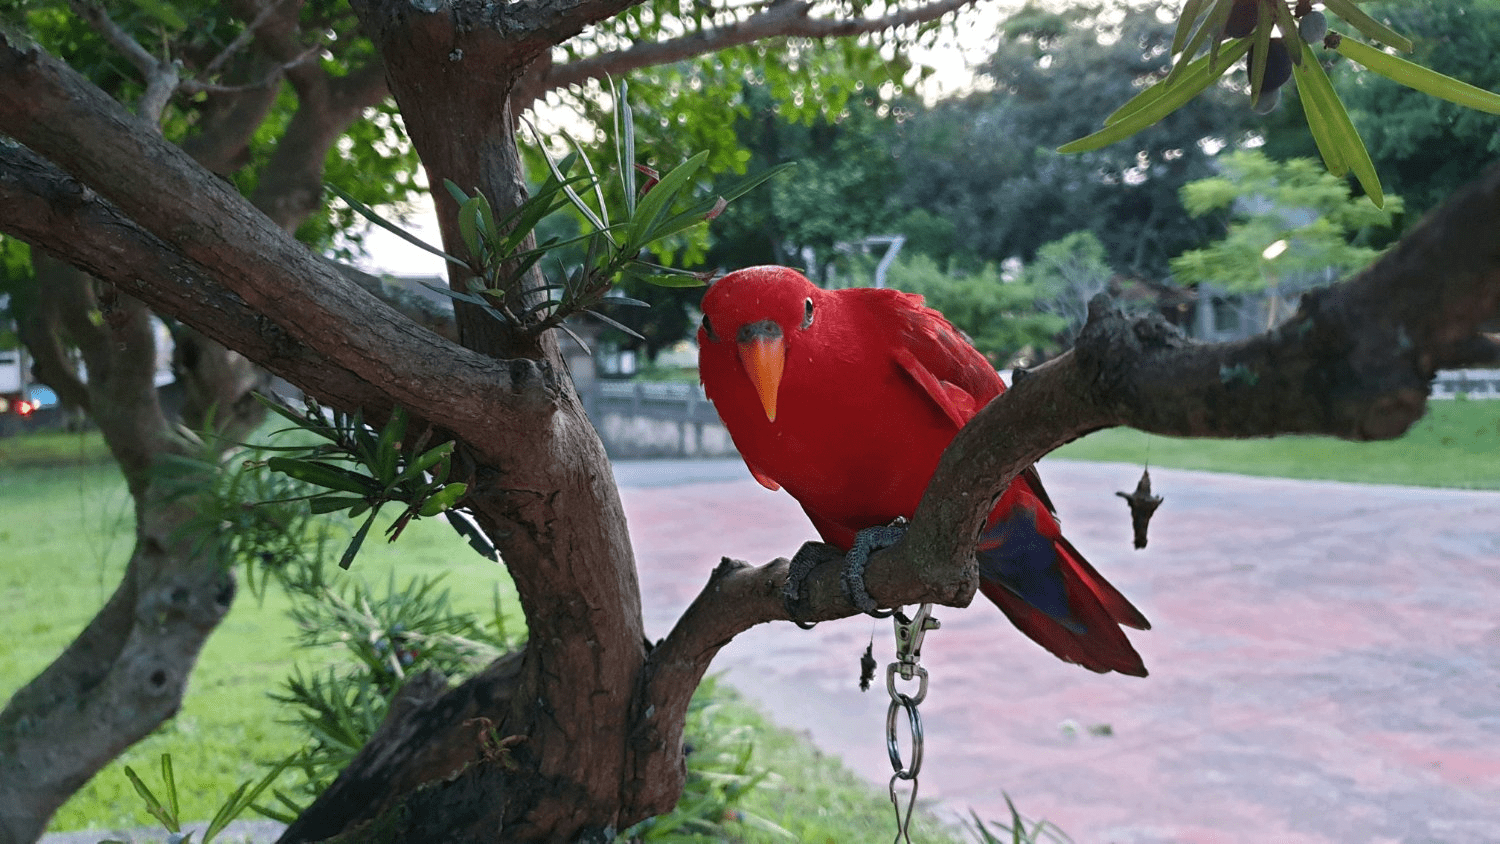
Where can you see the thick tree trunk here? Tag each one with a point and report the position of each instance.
(553, 507)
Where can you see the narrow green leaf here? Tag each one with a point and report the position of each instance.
(740, 187)
(549, 197)
(1190, 12)
(333, 503)
(359, 539)
(566, 185)
(226, 812)
(1196, 75)
(598, 183)
(624, 300)
(169, 784)
(1289, 31)
(1419, 78)
(625, 131)
(643, 226)
(617, 324)
(241, 799)
(274, 405)
(324, 475)
(425, 461)
(1152, 105)
(671, 280)
(364, 439)
(455, 191)
(1211, 27)
(443, 499)
(386, 452)
(471, 298)
(1313, 87)
(699, 211)
(1355, 17)
(468, 227)
(1259, 56)
(369, 214)
(487, 231)
(153, 805)
(576, 339)
(1320, 125)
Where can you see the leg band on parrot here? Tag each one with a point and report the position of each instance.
(807, 558)
(867, 542)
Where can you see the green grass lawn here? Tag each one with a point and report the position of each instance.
(1457, 444)
(67, 527)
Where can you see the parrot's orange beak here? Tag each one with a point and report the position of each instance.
(763, 354)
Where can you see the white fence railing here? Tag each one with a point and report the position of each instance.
(670, 401)
(1474, 383)
(682, 408)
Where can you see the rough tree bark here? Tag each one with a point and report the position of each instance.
(588, 721)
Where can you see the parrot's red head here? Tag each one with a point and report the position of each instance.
(758, 309)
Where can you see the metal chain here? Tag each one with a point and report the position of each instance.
(909, 635)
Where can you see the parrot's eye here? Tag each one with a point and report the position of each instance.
(807, 313)
(708, 328)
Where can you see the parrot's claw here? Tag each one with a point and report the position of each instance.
(867, 542)
(807, 558)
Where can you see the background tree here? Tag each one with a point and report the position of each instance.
(581, 731)
(1051, 77)
(1067, 274)
(999, 316)
(1286, 222)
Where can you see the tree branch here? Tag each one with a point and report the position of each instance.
(161, 77)
(786, 19)
(242, 40)
(212, 258)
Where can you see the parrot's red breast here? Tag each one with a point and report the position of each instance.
(846, 399)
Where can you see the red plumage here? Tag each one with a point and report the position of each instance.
(869, 387)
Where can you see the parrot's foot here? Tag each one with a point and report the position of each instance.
(807, 558)
(867, 542)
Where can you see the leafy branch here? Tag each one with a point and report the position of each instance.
(167, 810)
(614, 242)
(1225, 31)
(358, 470)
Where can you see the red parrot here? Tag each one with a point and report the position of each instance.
(847, 398)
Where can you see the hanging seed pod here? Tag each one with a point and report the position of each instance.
(1243, 16)
(1312, 27)
(1278, 65)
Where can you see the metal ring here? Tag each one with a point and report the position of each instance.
(892, 741)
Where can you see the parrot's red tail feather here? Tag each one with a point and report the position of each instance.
(1118, 607)
(1095, 640)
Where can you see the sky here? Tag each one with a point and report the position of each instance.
(952, 58)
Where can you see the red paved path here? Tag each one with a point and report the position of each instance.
(1325, 663)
